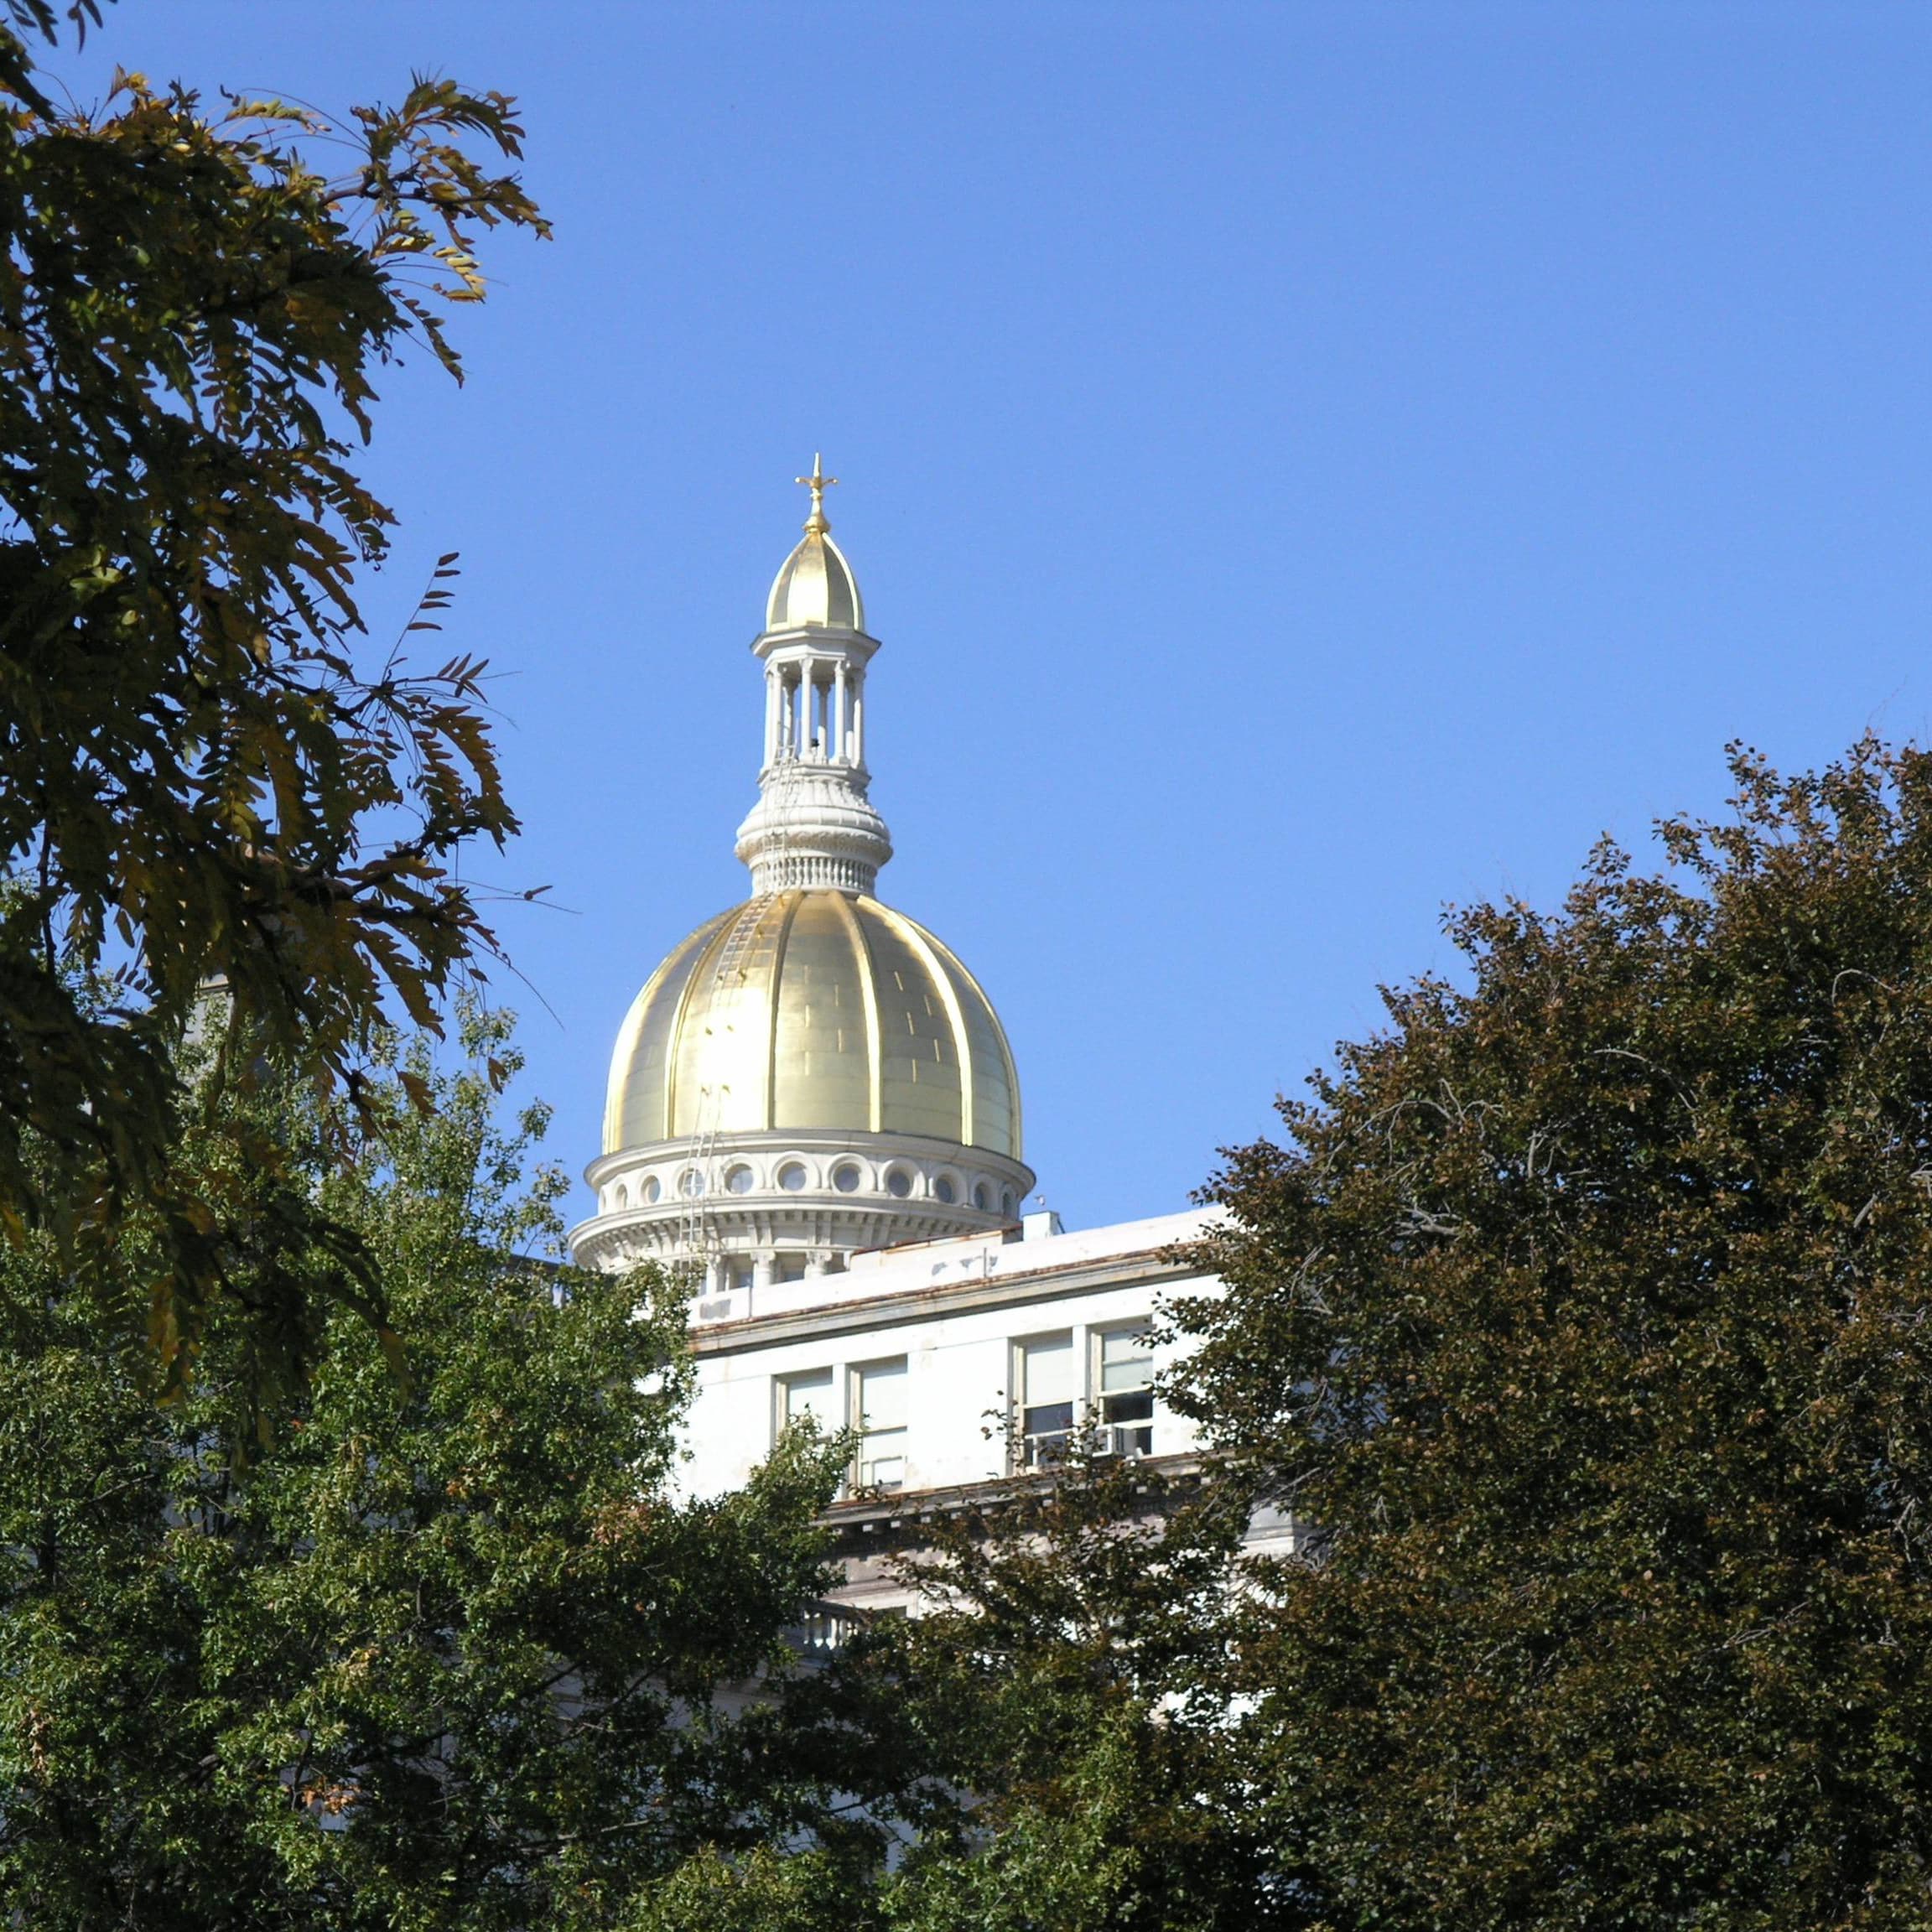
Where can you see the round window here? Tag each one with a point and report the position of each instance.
(739, 1180)
(650, 1191)
(622, 1195)
(898, 1183)
(792, 1176)
(691, 1184)
(846, 1178)
(944, 1190)
(981, 1200)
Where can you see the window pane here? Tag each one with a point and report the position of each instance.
(1045, 1417)
(809, 1394)
(881, 1395)
(1126, 1361)
(1127, 1392)
(879, 1409)
(1047, 1370)
(1048, 1394)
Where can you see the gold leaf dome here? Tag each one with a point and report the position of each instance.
(815, 586)
(813, 1009)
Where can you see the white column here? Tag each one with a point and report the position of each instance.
(772, 703)
(839, 709)
(859, 723)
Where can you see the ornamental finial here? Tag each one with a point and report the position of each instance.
(819, 483)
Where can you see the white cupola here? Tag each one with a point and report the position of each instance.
(813, 823)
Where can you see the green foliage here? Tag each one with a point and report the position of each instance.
(448, 1651)
(200, 776)
(1587, 1313)
(764, 1890)
(1068, 1680)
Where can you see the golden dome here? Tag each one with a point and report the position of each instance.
(812, 1010)
(815, 584)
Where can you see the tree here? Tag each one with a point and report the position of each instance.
(449, 1651)
(1585, 1319)
(1067, 1675)
(1045, 1740)
(204, 774)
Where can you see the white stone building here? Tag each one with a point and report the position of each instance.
(813, 1107)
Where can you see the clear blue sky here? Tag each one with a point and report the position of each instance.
(1307, 464)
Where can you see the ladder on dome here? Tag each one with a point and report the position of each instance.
(699, 1179)
(701, 1240)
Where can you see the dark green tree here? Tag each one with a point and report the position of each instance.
(1585, 1319)
(1046, 1737)
(205, 772)
(449, 1651)
(1067, 1676)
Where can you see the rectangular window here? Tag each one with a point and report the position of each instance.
(1124, 1364)
(879, 1414)
(808, 1394)
(1045, 1398)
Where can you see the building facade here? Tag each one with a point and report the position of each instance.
(814, 1113)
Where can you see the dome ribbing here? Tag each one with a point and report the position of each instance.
(812, 1010)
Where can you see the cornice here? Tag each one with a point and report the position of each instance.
(945, 1298)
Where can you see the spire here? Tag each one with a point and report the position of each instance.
(818, 482)
(813, 824)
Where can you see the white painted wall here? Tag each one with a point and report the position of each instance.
(954, 1311)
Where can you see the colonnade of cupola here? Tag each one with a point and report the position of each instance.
(814, 707)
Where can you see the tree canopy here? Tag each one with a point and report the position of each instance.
(206, 772)
(450, 1651)
(1584, 1318)
(1066, 1672)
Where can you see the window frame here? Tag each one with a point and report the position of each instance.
(1130, 1436)
(855, 1373)
(1024, 1457)
(781, 1386)
(1111, 1428)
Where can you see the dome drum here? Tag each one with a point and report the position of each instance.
(818, 1196)
(813, 826)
